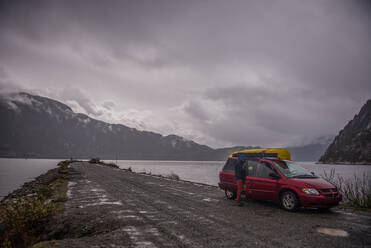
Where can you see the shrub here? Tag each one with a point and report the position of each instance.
(110, 164)
(173, 176)
(45, 192)
(25, 218)
(356, 191)
(63, 166)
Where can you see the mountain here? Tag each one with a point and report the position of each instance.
(353, 144)
(39, 127)
(312, 151)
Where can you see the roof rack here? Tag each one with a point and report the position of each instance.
(255, 155)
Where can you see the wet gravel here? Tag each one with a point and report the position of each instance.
(109, 207)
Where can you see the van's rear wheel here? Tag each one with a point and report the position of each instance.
(289, 201)
(230, 195)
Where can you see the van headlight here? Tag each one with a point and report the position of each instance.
(310, 191)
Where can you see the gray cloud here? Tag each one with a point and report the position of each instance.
(285, 117)
(108, 105)
(197, 111)
(221, 72)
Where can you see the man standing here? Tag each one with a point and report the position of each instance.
(240, 176)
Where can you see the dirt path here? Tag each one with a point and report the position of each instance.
(112, 208)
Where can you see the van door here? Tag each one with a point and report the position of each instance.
(226, 177)
(251, 167)
(265, 187)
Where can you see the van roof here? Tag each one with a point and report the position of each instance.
(281, 153)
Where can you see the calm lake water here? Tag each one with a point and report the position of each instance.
(15, 172)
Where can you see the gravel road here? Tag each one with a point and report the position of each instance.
(109, 207)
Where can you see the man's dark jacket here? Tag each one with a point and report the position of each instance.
(239, 170)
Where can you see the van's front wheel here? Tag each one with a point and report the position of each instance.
(289, 201)
(230, 195)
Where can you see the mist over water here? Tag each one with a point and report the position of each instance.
(15, 172)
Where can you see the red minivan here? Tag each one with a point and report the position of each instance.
(282, 181)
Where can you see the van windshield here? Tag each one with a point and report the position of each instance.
(293, 170)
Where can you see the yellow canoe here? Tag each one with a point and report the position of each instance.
(282, 153)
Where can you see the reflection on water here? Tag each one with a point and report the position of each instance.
(14, 172)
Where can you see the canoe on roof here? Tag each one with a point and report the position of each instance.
(281, 153)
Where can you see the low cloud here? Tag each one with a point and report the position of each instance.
(7, 84)
(108, 105)
(76, 95)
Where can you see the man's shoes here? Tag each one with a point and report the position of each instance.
(240, 204)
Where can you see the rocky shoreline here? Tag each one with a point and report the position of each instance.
(44, 196)
(29, 213)
(32, 187)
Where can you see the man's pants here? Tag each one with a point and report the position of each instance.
(239, 189)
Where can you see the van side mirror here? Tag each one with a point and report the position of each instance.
(274, 175)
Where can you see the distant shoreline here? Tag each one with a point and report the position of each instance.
(170, 160)
(113, 159)
(343, 163)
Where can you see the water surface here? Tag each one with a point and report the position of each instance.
(208, 171)
(15, 172)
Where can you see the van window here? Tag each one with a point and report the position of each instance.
(292, 170)
(251, 168)
(229, 165)
(265, 169)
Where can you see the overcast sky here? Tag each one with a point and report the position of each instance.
(222, 73)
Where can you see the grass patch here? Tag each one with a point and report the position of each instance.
(110, 164)
(356, 191)
(59, 188)
(63, 165)
(349, 207)
(171, 176)
(46, 244)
